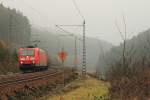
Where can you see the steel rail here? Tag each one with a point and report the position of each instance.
(14, 82)
(6, 79)
(24, 79)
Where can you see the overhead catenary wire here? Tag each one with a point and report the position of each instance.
(78, 9)
(69, 33)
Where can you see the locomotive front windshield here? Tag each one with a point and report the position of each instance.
(27, 52)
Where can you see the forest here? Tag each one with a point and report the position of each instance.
(15, 31)
(14, 27)
(127, 68)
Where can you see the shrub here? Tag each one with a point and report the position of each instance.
(14, 56)
(3, 54)
(128, 83)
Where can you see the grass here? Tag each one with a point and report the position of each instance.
(89, 89)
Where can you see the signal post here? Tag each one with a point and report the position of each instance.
(84, 47)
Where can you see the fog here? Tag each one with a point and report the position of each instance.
(100, 15)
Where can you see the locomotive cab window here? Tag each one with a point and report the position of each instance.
(27, 53)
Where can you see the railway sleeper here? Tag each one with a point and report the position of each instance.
(59, 78)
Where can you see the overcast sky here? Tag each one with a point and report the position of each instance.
(100, 15)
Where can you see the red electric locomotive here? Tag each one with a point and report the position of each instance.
(32, 58)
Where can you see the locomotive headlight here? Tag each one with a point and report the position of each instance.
(22, 58)
(31, 58)
(21, 62)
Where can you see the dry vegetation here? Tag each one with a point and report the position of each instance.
(89, 89)
(129, 75)
(130, 83)
(7, 61)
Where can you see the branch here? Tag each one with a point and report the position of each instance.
(119, 31)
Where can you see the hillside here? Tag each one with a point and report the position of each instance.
(14, 27)
(14, 32)
(137, 54)
(51, 41)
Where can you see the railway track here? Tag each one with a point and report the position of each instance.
(24, 78)
(12, 83)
